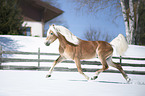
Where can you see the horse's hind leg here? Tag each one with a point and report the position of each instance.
(104, 67)
(119, 67)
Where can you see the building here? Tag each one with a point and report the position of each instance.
(35, 14)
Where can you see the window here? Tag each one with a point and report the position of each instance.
(27, 31)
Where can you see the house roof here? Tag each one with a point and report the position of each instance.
(37, 10)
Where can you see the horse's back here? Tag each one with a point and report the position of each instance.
(87, 49)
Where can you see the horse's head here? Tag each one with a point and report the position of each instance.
(51, 35)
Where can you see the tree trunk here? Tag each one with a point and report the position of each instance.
(131, 23)
(125, 20)
(137, 31)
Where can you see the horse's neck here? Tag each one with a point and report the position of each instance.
(63, 42)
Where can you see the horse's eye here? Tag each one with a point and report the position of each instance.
(51, 33)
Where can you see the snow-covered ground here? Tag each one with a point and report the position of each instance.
(26, 44)
(34, 83)
(31, 44)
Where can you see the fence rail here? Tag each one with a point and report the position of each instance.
(38, 60)
(67, 61)
(27, 53)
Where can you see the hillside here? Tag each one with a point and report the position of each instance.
(31, 44)
(26, 44)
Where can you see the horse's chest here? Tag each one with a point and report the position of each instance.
(68, 56)
(68, 53)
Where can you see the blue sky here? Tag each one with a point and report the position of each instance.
(78, 22)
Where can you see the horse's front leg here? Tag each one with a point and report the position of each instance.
(58, 60)
(78, 64)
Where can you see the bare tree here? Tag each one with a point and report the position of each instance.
(130, 14)
(127, 8)
(95, 6)
(96, 35)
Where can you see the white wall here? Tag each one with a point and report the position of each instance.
(36, 27)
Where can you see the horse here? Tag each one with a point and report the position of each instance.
(71, 47)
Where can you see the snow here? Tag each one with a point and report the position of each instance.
(34, 83)
(136, 51)
(27, 44)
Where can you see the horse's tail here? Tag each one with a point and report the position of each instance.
(120, 44)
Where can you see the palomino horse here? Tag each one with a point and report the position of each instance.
(71, 47)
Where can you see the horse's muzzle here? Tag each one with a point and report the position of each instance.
(47, 43)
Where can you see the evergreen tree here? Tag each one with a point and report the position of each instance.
(10, 17)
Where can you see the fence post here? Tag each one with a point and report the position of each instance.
(120, 59)
(38, 57)
(1, 55)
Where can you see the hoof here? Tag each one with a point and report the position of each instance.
(94, 77)
(128, 80)
(47, 76)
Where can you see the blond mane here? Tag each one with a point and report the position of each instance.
(66, 33)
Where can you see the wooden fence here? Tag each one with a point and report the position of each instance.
(38, 60)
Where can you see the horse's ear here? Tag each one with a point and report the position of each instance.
(53, 26)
